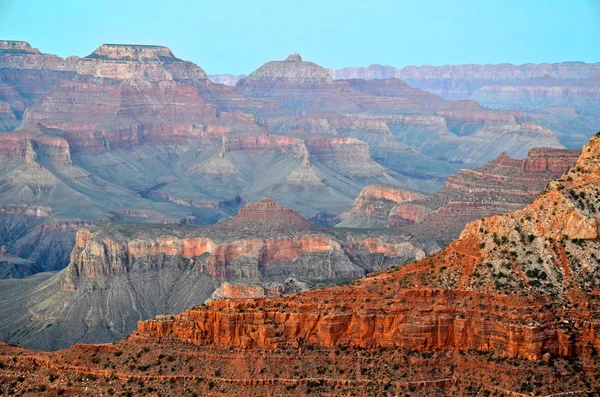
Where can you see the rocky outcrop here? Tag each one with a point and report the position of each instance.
(503, 185)
(532, 303)
(344, 155)
(125, 61)
(16, 47)
(292, 68)
(31, 149)
(374, 205)
(26, 74)
(266, 216)
(549, 160)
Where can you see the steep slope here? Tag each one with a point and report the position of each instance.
(508, 308)
(122, 273)
(373, 205)
(33, 241)
(132, 133)
(503, 185)
(25, 74)
(136, 118)
(544, 253)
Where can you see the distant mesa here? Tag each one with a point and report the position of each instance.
(266, 216)
(133, 52)
(16, 47)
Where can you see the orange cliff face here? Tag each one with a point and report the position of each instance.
(18, 147)
(96, 257)
(512, 285)
(262, 244)
(374, 206)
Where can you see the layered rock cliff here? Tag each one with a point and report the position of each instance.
(519, 285)
(374, 204)
(122, 273)
(503, 185)
(131, 130)
(34, 241)
(529, 87)
(125, 61)
(453, 324)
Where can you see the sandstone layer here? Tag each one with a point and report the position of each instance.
(121, 273)
(503, 185)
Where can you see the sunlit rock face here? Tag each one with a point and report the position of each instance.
(499, 288)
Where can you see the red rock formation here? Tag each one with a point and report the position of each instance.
(374, 205)
(406, 213)
(89, 118)
(15, 147)
(266, 216)
(551, 160)
(374, 192)
(125, 61)
(503, 185)
(456, 299)
(239, 142)
(97, 255)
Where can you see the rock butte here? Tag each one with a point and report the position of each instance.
(268, 217)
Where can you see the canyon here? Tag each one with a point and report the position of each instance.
(509, 307)
(570, 89)
(133, 133)
(155, 234)
(120, 273)
(554, 248)
(503, 185)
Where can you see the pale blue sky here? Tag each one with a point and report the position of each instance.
(236, 36)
